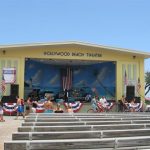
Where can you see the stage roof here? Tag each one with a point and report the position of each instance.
(74, 44)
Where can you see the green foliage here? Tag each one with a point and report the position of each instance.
(147, 77)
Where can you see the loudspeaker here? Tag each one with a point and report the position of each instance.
(14, 89)
(9, 99)
(130, 92)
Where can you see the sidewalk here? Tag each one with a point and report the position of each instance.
(7, 128)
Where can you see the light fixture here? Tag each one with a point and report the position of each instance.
(134, 57)
(4, 52)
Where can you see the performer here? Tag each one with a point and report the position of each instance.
(66, 95)
(69, 109)
(28, 106)
(20, 104)
(132, 105)
(58, 109)
(48, 105)
(103, 101)
(123, 103)
(34, 106)
(94, 103)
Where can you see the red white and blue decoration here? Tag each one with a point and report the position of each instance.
(137, 106)
(40, 107)
(10, 108)
(108, 106)
(76, 106)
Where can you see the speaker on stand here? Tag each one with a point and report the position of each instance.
(14, 90)
(130, 92)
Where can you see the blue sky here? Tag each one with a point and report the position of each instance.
(119, 23)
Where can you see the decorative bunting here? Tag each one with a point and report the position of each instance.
(10, 108)
(76, 106)
(40, 107)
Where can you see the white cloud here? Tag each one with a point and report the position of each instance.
(31, 66)
(77, 71)
(102, 74)
(37, 77)
(95, 83)
(81, 83)
(54, 79)
(28, 81)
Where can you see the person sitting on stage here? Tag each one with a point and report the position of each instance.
(88, 98)
(48, 106)
(124, 103)
(103, 102)
(132, 105)
(58, 109)
(20, 109)
(69, 109)
(34, 106)
(66, 95)
(28, 106)
(94, 103)
(123, 99)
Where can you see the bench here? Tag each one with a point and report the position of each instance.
(82, 131)
(81, 127)
(80, 134)
(114, 143)
(85, 119)
(49, 122)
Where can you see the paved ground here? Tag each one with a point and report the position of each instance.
(7, 128)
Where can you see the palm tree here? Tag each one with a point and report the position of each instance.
(147, 80)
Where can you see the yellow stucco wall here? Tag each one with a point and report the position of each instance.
(15, 57)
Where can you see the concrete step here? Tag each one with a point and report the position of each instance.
(55, 119)
(67, 144)
(80, 134)
(90, 122)
(114, 114)
(48, 128)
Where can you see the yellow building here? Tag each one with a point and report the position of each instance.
(129, 64)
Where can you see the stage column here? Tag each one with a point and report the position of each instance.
(142, 80)
(118, 80)
(21, 77)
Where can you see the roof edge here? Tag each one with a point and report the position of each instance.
(76, 43)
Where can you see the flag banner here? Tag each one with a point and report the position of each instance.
(2, 86)
(9, 75)
(138, 85)
(10, 108)
(76, 106)
(66, 75)
(125, 78)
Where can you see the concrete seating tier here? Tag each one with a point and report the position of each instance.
(89, 115)
(80, 134)
(97, 131)
(40, 119)
(68, 144)
(49, 123)
(82, 127)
